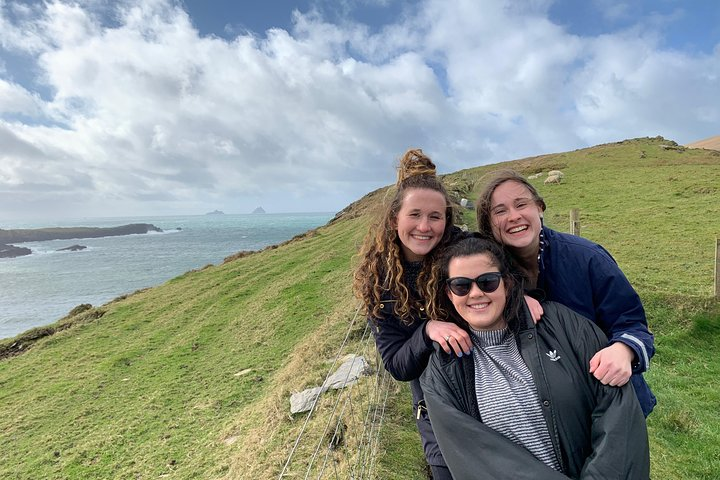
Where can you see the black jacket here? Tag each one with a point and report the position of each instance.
(405, 350)
(598, 431)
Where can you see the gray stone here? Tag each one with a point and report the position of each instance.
(11, 251)
(352, 368)
(303, 401)
(349, 372)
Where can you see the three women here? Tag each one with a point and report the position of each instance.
(398, 281)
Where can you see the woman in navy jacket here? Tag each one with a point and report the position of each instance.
(575, 272)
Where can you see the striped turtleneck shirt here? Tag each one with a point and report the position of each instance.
(506, 394)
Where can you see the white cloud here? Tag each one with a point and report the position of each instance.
(14, 99)
(141, 114)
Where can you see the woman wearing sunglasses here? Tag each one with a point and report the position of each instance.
(575, 272)
(523, 405)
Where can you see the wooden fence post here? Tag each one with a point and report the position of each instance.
(717, 268)
(575, 221)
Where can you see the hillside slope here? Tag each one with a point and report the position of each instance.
(712, 143)
(191, 379)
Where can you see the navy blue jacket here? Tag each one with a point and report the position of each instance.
(584, 276)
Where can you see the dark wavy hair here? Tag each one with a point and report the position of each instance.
(474, 244)
(380, 271)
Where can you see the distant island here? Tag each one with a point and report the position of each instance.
(215, 212)
(8, 237)
(259, 210)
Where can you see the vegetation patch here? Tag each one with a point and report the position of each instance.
(22, 343)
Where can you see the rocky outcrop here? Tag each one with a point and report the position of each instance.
(72, 248)
(11, 251)
(64, 233)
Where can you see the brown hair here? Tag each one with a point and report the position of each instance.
(484, 201)
(379, 275)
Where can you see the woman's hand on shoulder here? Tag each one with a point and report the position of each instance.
(451, 338)
(613, 365)
(536, 310)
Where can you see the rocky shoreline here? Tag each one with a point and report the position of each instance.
(11, 251)
(9, 237)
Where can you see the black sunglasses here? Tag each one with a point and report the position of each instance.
(487, 282)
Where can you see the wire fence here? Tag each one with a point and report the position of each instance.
(340, 436)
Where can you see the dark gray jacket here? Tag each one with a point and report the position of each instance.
(598, 432)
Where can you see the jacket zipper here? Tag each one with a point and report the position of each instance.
(420, 407)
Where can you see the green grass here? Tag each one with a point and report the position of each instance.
(403, 457)
(684, 430)
(655, 210)
(155, 387)
(149, 389)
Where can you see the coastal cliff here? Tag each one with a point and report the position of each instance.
(192, 378)
(64, 233)
(8, 237)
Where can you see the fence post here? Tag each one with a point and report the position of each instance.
(717, 268)
(575, 221)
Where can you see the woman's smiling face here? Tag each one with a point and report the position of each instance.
(515, 217)
(482, 310)
(420, 223)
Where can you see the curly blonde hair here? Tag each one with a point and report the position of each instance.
(380, 271)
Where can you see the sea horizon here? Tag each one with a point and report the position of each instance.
(73, 221)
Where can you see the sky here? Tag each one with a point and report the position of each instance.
(181, 107)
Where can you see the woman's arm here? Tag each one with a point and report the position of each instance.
(619, 436)
(404, 349)
(620, 314)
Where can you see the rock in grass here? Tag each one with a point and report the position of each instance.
(349, 372)
(303, 401)
(352, 368)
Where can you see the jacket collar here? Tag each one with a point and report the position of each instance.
(525, 321)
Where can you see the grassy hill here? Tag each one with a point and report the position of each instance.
(191, 379)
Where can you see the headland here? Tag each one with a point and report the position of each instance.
(8, 237)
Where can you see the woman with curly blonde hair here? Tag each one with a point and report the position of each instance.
(397, 283)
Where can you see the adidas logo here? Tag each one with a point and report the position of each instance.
(553, 355)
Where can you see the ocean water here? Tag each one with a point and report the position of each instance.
(41, 288)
